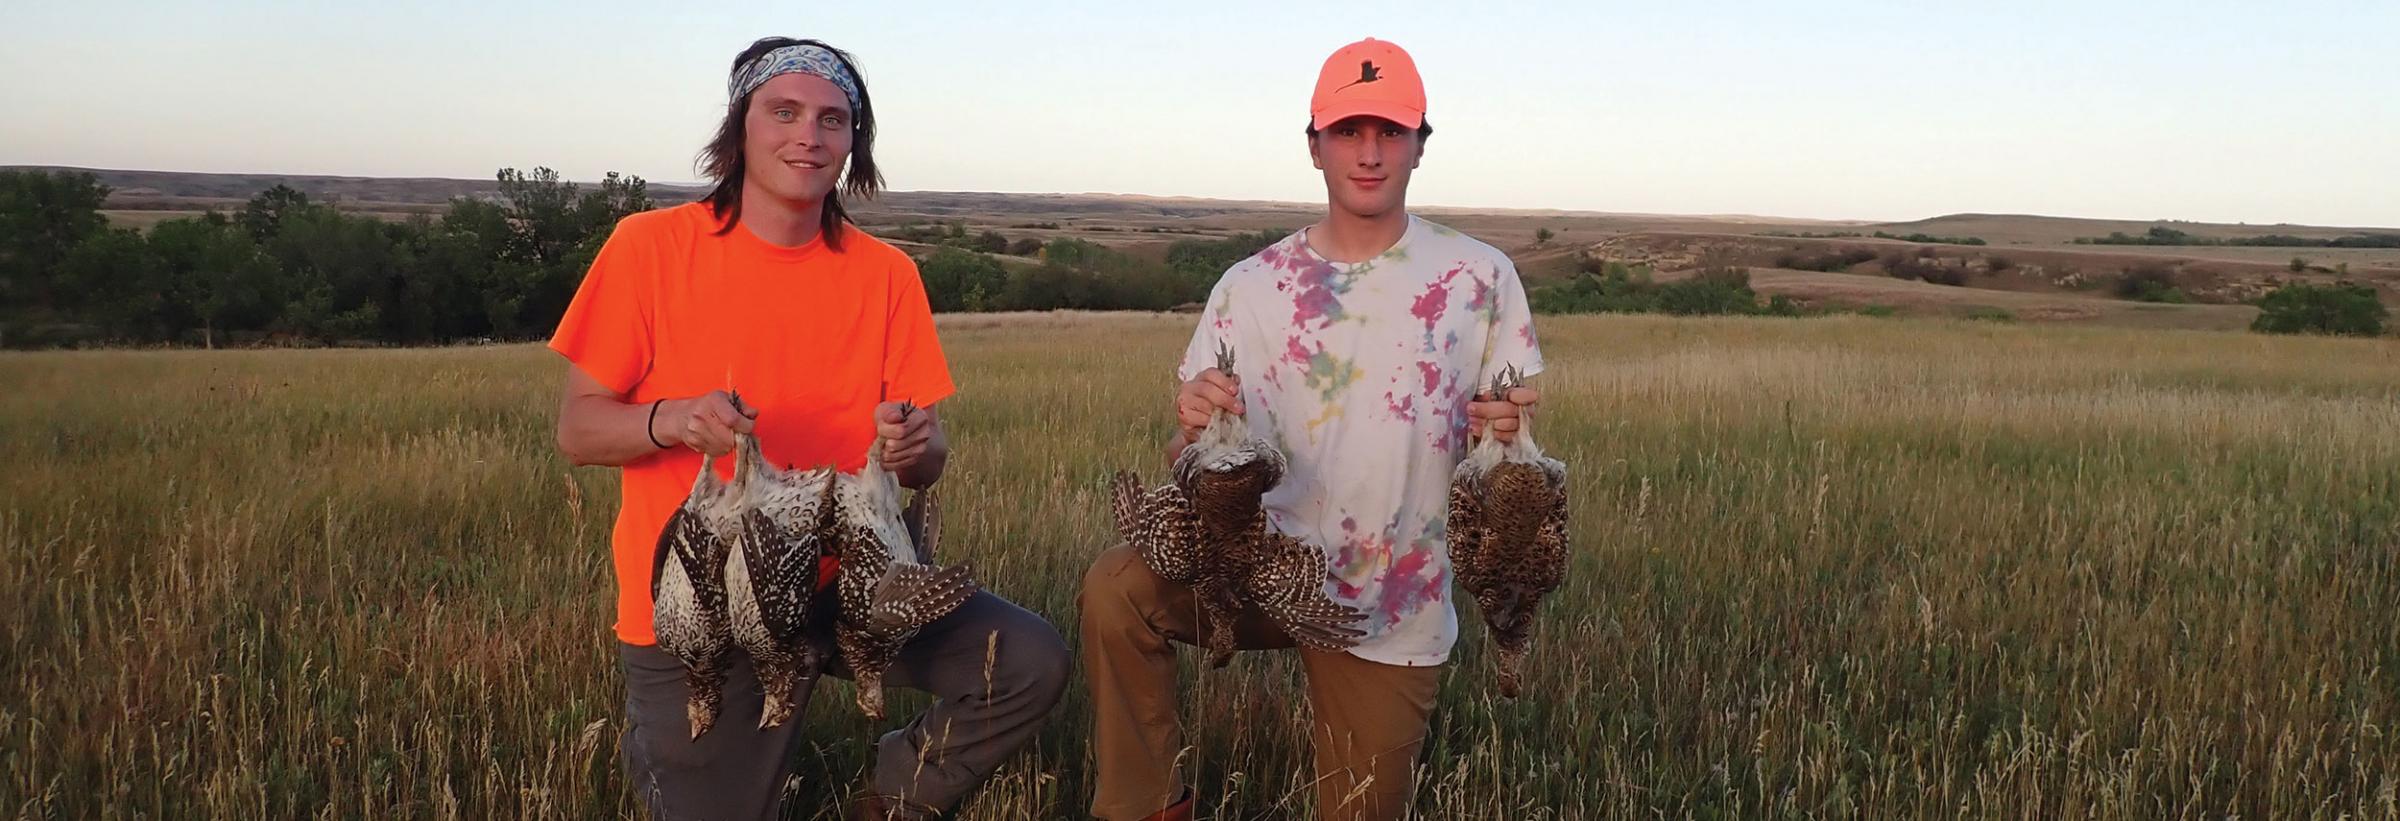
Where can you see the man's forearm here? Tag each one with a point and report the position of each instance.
(600, 430)
(929, 466)
(927, 469)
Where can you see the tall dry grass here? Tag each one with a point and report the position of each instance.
(1832, 567)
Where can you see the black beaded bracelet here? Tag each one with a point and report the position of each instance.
(651, 429)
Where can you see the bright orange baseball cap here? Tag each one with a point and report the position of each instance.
(1369, 77)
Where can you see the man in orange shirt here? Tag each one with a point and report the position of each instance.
(766, 288)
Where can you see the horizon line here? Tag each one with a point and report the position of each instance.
(1495, 210)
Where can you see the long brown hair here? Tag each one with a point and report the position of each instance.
(722, 159)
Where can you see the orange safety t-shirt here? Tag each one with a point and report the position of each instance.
(811, 338)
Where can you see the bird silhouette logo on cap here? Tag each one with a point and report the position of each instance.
(1367, 73)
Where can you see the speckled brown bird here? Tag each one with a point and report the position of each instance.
(887, 587)
(1208, 530)
(687, 590)
(771, 576)
(1508, 535)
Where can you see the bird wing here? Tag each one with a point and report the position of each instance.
(1287, 583)
(923, 520)
(782, 562)
(910, 596)
(672, 597)
(1466, 528)
(682, 535)
(1271, 460)
(1557, 473)
(864, 562)
(1161, 527)
(1551, 548)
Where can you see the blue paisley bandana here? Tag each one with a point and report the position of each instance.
(803, 59)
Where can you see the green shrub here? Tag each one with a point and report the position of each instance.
(1923, 265)
(2150, 282)
(1835, 262)
(2342, 308)
(961, 280)
(1921, 237)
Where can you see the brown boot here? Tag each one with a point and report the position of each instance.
(1181, 810)
(880, 807)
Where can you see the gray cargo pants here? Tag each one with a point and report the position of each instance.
(737, 771)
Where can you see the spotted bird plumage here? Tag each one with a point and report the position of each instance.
(1208, 529)
(888, 587)
(771, 576)
(1508, 535)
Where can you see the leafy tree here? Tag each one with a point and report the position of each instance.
(959, 280)
(1197, 263)
(117, 283)
(2342, 308)
(263, 216)
(219, 279)
(43, 216)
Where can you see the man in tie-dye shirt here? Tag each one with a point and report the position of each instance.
(1360, 342)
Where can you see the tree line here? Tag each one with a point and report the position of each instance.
(2162, 235)
(283, 269)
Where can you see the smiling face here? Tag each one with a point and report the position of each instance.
(797, 135)
(1367, 162)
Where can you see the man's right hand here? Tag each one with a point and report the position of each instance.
(705, 423)
(1210, 391)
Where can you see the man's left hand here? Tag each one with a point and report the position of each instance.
(906, 437)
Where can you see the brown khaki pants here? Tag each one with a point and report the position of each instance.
(1369, 718)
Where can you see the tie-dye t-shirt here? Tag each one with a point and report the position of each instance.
(1362, 373)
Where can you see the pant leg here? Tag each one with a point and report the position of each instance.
(1369, 722)
(735, 771)
(1130, 617)
(997, 670)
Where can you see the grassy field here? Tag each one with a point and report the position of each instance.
(1838, 567)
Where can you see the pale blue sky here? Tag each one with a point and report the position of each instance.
(2196, 110)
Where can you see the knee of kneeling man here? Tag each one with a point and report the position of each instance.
(1116, 572)
(1119, 568)
(1029, 666)
(1040, 665)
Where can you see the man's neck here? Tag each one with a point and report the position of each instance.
(1345, 237)
(778, 221)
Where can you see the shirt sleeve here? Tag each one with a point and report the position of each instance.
(607, 329)
(914, 369)
(1510, 325)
